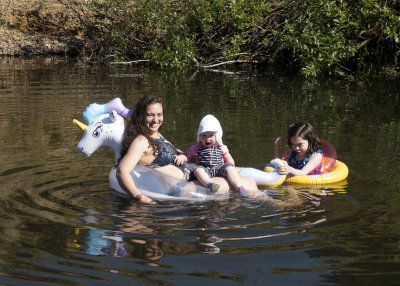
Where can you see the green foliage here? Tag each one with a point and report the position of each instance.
(175, 53)
(318, 37)
(332, 37)
(219, 25)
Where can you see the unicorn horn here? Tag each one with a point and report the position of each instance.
(79, 124)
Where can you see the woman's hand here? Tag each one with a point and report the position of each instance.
(146, 200)
(180, 159)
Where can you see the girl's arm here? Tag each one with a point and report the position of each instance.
(278, 144)
(312, 163)
(138, 146)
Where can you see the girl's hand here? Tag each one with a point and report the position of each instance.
(180, 159)
(283, 168)
(279, 142)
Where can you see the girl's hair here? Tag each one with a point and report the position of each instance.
(307, 132)
(137, 125)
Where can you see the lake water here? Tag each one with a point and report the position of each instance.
(61, 224)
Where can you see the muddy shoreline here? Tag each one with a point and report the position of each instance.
(38, 27)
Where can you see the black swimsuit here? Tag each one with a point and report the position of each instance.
(166, 156)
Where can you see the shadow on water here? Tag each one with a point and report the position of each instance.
(61, 223)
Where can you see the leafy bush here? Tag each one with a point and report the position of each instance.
(331, 37)
(317, 37)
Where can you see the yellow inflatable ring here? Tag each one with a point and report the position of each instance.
(338, 173)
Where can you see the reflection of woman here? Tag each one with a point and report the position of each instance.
(144, 144)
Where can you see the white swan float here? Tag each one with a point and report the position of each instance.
(107, 129)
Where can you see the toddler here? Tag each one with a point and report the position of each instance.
(212, 157)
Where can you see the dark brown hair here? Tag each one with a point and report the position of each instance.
(137, 125)
(307, 132)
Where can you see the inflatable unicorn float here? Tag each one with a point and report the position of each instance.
(106, 126)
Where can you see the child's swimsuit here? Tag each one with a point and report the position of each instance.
(214, 160)
(299, 164)
(166, 156)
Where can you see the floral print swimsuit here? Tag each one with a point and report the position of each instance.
(166, 156)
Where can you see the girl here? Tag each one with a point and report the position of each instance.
(305, 156)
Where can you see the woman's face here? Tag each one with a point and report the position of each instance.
(154, 117)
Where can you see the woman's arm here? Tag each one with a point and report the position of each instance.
(136, 150)
(180, 159)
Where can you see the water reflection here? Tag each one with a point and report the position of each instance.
(148, 233)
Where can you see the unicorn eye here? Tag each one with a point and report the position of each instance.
(97, 132)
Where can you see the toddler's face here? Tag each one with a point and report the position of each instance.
(299, 145)
(208, 139)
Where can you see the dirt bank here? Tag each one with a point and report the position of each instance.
(32, 27)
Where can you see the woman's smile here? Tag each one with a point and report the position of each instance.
(154, 117)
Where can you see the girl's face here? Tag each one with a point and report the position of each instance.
(299, 145)
(154, 117)
(208, 138)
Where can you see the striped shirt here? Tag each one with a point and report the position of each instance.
(209, 157)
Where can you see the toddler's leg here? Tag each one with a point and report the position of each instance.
(204, 179)
(233, 176)
(234, 179)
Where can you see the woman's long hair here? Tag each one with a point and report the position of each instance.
(307, 132)
(137, 125)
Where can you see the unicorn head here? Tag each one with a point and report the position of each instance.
(105, 130)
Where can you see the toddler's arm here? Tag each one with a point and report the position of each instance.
(227, 156)
(191, 153)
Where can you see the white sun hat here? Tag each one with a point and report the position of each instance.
(210, 123)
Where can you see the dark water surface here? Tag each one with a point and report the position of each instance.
(61, 224)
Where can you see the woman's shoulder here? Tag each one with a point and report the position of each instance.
(140, 137)
(140, 140)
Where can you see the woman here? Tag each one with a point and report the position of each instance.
(143, 144)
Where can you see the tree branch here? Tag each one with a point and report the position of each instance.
(127, 63)
(225, 63)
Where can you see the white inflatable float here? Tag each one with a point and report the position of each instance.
(108, 130)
